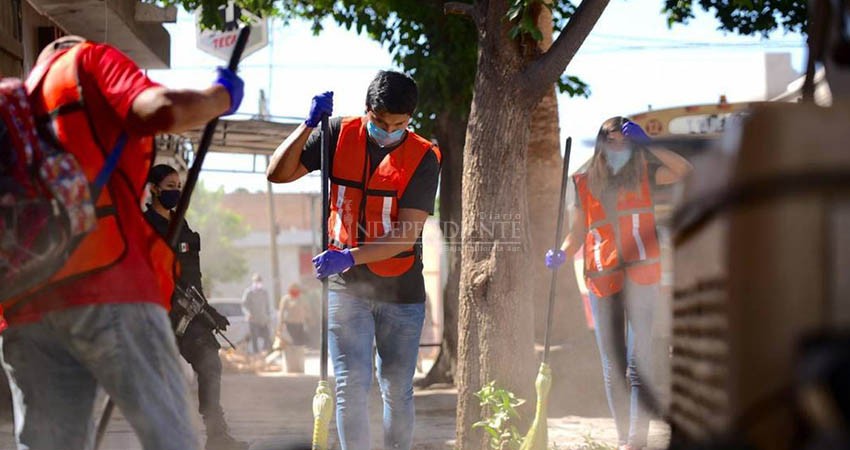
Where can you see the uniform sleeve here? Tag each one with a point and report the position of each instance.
(311, 156)
(422, 189)
(117, 77)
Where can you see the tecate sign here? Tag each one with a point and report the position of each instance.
(220, 43)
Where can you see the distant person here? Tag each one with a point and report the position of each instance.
(292, 321)
(105, 322)
(374, 262)
(196, 342)
(257, 305)
(614, 218)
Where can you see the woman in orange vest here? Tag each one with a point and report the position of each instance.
(614, 219)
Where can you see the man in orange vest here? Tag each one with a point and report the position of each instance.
(103, 320)
(383, 184)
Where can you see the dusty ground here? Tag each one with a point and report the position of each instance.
(272, 406)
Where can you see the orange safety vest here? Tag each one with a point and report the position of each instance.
(62, 99)
(624, 243)
(356, 218)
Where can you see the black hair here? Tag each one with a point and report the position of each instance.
(159, 172)
(392, 92)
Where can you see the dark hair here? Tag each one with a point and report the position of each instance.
(392, 92)
(159, 172)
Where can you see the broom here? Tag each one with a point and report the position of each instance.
(176, 224)
(322, 400)
(537, 437)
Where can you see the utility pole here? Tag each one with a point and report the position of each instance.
(275, 262)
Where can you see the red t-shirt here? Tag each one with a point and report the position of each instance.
(110, 83)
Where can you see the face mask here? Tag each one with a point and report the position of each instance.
(617, 159)
(381, 137)
(169, 198)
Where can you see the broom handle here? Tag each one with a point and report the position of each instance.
(325, 164)
(565, 177)
(176, 225)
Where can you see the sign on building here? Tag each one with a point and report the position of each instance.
(220, 43)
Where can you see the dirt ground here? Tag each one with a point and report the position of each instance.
(274, 410)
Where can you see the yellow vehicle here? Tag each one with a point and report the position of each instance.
(697, 121)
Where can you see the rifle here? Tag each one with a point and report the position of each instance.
(193, 302)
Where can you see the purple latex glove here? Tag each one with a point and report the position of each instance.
(331, 262)
(234, 85)
(323, 105)
(555, 257)
(635, 133)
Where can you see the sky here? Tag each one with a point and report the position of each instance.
(632, 61)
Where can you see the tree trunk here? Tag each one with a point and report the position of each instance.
(575, 377)
(496, 340)
(496, 314)
(450, 132)
(544, 181)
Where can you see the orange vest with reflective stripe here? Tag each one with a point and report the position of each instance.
(364, 207)
(619, 243)
(62, 99)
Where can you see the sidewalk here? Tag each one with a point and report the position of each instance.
(278, 407)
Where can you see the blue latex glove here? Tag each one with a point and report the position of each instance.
(635, 133)
(331, 262)
(323, 104)
(234, 85)
(555, 257)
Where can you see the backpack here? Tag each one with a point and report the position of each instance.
(46, 201)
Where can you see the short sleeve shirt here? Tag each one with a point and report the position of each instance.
(110, 82)
(420, 193)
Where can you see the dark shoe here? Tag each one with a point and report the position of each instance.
(224, 441)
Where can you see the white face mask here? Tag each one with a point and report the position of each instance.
(617, 159)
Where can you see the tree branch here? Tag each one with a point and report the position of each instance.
(539, 76)
(461, 9)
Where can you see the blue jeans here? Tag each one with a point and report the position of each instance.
(354, 325)
(624, 334)
(55, 365)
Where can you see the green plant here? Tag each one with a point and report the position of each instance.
(499, 408)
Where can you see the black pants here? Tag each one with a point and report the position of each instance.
(200, 349)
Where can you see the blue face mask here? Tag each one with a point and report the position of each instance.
(169, 198)
(617, 159)
(382, 137)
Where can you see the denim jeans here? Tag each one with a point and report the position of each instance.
(624, 334)
(354, 325)
(55, 365)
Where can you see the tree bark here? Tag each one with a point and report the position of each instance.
(496, 314)
(543, 183)
(450, 132)
(496, 334)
